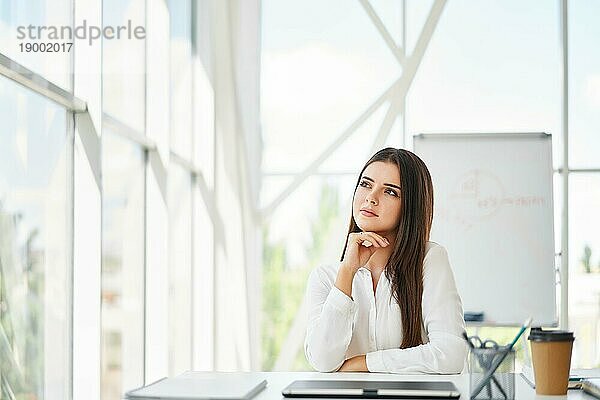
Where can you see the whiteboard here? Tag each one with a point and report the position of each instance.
(493, 211)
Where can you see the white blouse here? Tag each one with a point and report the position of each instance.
(340, 327)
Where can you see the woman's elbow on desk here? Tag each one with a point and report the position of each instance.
(452, 360)
(451, 367)
(324, 362)
(326, 368)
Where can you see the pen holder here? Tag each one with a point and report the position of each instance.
(501, 385)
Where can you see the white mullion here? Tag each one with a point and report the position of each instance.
(87, 236)
(87, 207)
(388, 122)
(157, 219)
(385, 34)
(564, 264)
(71, 138)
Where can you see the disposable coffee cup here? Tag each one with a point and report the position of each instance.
(551, 353)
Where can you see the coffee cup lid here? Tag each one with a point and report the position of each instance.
(540, 335)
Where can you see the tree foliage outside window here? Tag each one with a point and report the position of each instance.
(21, 312)
(284, 287)
(586, 260)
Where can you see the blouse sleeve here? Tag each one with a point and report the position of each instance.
(330, 323)
(446, 351)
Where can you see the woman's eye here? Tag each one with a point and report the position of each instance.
(393, 193)
(364, 184)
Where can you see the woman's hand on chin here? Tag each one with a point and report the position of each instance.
(361, 246)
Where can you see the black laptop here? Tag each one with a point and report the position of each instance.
(371, 389)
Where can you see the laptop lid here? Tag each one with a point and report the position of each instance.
(199, 386)
(371, 389)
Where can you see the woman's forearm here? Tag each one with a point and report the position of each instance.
(344, 279)
(355, 364)
(329, 331)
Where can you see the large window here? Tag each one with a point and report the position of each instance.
(318, 83)
(140, 248)
(319, 212)
(123, 204)
(35, 246)
(584, 194)
(122, 266)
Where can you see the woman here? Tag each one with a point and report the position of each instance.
(391, 305)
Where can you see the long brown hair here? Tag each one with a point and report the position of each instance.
(404, 268)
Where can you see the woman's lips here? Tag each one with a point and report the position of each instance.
(367, 213)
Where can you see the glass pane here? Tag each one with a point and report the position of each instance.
(416, 15)
(351, 155)
(584, 268)
(584, 84)
(319, 211)
(272, 186)
(204, 94)
(390, 13)
(24, 24)
(123, 63)
(317, 77)
(477, 79)
(181, 77)
(203, 276)
(180, 270)
(122, 266)
(35, 246)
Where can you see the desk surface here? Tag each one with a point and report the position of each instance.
(276, 381)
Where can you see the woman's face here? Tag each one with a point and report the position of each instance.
(377, 203)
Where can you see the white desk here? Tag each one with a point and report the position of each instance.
(276, 381)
